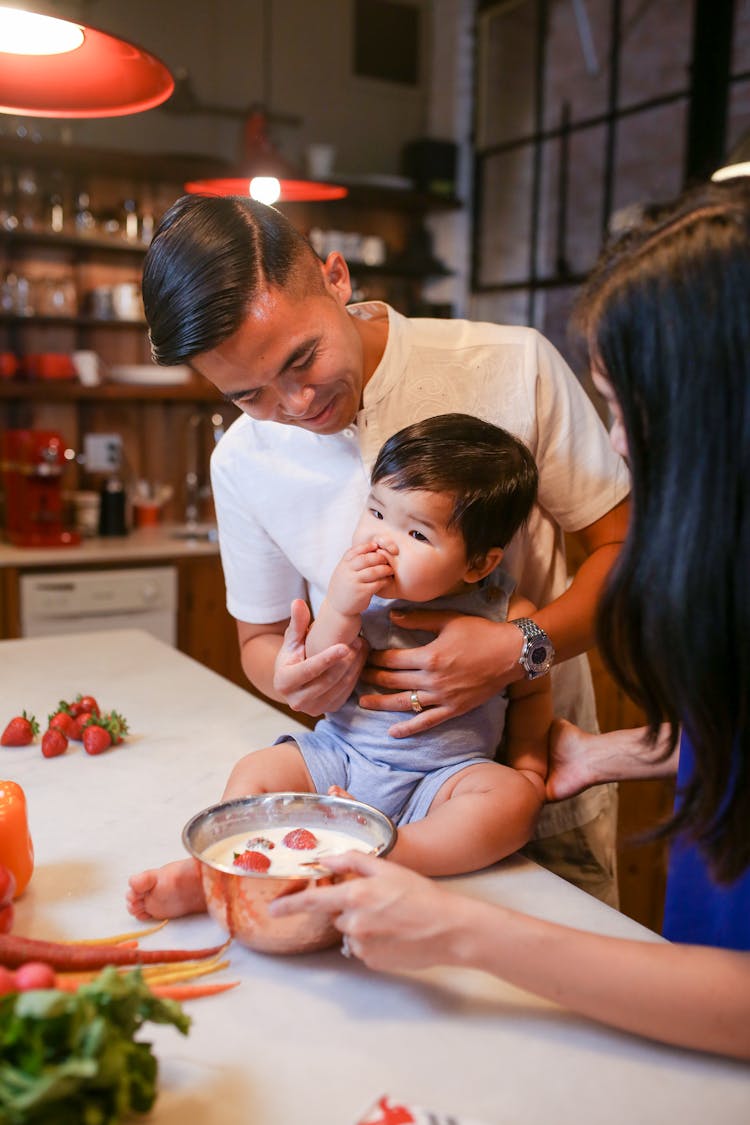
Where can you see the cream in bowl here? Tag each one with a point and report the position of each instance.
(254, 849)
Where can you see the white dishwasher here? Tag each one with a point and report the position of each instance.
(85, 601)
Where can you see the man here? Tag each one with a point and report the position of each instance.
(232, 288)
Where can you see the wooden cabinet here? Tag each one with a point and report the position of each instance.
(205, 630)
(643, 805)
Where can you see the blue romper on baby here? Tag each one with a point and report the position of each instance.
(351, 747)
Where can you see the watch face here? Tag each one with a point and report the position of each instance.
(538, 657)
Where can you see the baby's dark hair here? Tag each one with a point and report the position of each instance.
(491, 473)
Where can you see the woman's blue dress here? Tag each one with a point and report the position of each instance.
(698, 910)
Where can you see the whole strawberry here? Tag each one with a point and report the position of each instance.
(96, 739)
(54, 743)
(79, 722)
(62, 719)
(87, 703)
(20, 731)
(301, 839)
(115, 724)
(252, 861)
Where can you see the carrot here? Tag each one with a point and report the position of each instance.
(158, 974)
(191, 991)
(71, 982)
(171, 974)
(120, 939)
(15, 950)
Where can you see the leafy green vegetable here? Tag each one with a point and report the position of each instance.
(71, 1057)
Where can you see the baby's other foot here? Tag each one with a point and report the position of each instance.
(166, 892)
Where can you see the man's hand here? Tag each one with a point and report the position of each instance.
(470, 660)
(322, 682)
(361, 573)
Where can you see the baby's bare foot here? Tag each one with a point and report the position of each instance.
(166, 892)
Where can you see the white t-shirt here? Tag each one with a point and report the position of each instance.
(287, 500)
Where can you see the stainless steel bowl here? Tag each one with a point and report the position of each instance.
(238, 900)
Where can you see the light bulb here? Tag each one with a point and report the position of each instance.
(27, 33)
(266, 189)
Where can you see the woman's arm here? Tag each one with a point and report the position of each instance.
(688, 996)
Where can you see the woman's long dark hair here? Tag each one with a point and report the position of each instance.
(667, 318)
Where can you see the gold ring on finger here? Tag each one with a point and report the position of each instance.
(416, 706)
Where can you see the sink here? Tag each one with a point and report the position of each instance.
(208, 532)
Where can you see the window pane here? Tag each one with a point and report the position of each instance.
(553, 312)
(577, 68)
(579, 191)
(650, 155)
(500, 308)
(741, 39)
(505, 223)
(656, 45)
(739, 112)
(507, 73)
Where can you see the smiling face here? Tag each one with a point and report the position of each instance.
(427, 556)
(297, 358)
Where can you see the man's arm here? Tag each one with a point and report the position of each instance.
(569, 620)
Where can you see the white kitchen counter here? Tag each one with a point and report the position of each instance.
(312, 1039)
(138, 546)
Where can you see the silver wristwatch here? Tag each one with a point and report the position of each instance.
(538, 653)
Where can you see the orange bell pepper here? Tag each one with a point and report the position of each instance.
(16, 848)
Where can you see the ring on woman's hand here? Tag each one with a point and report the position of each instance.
(346, 949)
(416, 706)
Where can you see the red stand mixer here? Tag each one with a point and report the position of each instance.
(32, 464)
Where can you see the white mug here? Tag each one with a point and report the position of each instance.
(87, 367)
(126, 299)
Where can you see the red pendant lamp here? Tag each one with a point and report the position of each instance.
(264, 173)
(82, 73)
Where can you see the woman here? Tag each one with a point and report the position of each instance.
(666, 316)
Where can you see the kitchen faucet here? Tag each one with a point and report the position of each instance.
(197, 489)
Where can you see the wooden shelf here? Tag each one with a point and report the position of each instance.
(68, 241)
(81, 321)
(115, 163)
(68, 390)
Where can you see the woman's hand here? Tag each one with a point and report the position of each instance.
(323, 682)
(392, 917)
(469, 661)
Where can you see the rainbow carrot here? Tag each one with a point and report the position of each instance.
(15, 950)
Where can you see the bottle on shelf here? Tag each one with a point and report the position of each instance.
(84, 221)
(55, 208)
(27, 187)
(130, 219)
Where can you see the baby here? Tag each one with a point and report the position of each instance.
(447, 495)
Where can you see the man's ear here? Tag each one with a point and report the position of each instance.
(482, 566)
(336, 277)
